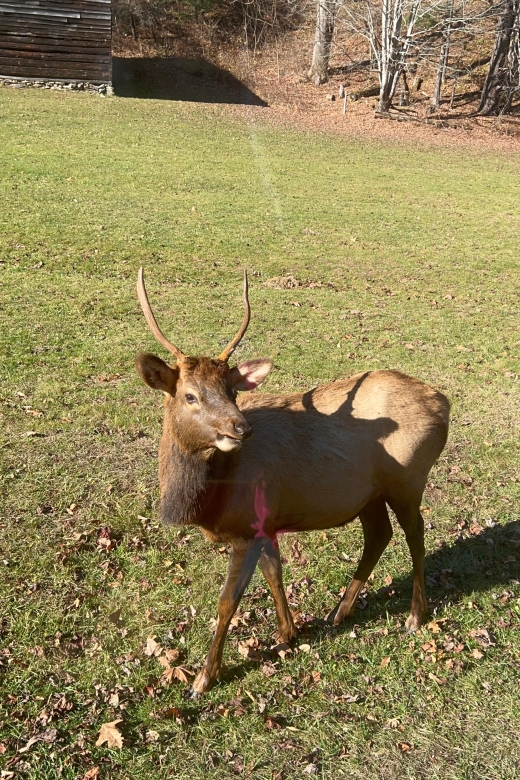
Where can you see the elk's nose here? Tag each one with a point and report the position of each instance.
(242, 429)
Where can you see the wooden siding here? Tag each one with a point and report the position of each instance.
(56, 39)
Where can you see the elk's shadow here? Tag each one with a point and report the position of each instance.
(472, 564)
(177, 78)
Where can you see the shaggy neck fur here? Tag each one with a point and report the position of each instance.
(184, 483)
(193, 486)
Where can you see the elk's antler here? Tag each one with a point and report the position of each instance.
(150, 319)
(237, 338)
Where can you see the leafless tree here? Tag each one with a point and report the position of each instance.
(503, 76)
(444, 53)
(325, 22)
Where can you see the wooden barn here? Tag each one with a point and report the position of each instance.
(67, 40)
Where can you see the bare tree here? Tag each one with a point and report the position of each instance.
(502, 77)
(394, 46)
(325, 23)
(444, 54)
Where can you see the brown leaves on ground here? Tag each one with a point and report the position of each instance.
(48, 736)
(172, 673)
(152, 648)
(91, 774)
(106, 539)
(166, 657)
(483, 637)
(249, 649)
(110, 734)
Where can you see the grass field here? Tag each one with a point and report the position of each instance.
(402, 257)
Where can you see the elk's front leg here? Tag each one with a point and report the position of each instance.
(242, 562)
(271, 566)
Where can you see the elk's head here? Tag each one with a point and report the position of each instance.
(200, 410)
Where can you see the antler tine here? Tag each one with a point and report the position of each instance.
(150, 319)
(228, 351)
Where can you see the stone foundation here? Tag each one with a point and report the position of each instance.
(15, 82)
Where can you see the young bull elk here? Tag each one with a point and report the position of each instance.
(317, 460)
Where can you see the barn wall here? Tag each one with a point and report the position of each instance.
(56, 39)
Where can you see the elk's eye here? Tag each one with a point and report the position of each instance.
(190, 398)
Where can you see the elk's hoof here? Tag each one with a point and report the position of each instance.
(338, 615)
(412, 624)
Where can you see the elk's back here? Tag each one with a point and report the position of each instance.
(324, 454)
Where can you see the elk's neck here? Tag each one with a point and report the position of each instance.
(188, 484)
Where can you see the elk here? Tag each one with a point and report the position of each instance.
(317, 460)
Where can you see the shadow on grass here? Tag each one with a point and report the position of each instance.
(177, 78)
(472, 565)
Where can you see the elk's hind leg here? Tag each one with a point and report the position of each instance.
(412, 523)
(271, 566)
(377, 532)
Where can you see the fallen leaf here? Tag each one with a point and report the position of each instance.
(304, 648)
(404, 747)
(248, 649)
(110, 734)
(385, 661)
(477, 654)
(173, 712)
(282, 649)
(45, 736)
(172, 673)
(152, 648)
(91, 774)
(181, 673)
(483, 637)
(438, 680)
(350, 698)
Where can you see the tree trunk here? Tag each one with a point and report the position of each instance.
(394, 48)
(325, 22)
(501, 70)
(443, 59)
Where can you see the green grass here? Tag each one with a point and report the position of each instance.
(379, 236)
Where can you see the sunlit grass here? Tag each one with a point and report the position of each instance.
(405, 258)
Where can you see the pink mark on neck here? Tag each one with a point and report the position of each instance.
(262, 512)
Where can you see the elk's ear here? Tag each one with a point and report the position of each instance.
(249, 375)
(156, 373)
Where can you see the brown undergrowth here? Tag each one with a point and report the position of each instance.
(276, 73)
